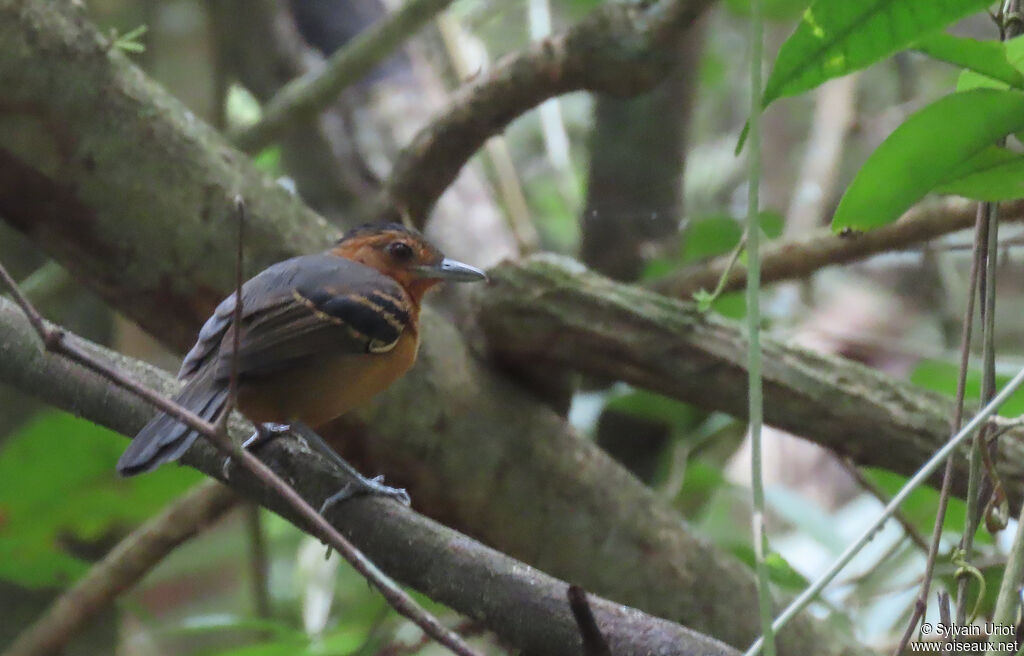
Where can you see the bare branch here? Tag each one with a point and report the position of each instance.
(800, 257)
(551, 311)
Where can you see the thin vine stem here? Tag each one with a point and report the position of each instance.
(755, 395)
(922, 475)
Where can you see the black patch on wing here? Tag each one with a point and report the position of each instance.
(394, 306)
(372, 315)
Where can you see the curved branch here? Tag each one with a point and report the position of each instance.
(550, 310)
(522, 605)
(620, 49)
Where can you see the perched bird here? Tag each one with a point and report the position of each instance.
(319, 335)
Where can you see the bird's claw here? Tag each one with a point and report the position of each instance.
(366, 486)
(264, 433)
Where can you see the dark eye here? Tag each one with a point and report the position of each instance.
(400, 250)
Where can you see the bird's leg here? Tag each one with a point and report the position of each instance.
(360, 485)
(263, 434)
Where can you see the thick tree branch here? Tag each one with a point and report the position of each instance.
(800, 257)
(552, 310)
(620, 49)
(522, 605)
(122, 568)
(133, 196)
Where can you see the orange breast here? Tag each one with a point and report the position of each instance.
(336, 384)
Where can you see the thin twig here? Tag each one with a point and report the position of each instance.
(54, 340)
(915, 481)
(1008, 599)
(921, 604)
(594, 643)
(755, 384)
(122, 568)
(257, 561)
(987, 238)
(791, 259)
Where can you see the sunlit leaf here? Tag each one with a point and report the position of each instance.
(995, 174)
(924, 151)
(836, 38)
(988, 58)
(969, 79)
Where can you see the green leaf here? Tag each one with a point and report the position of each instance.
(924, 151)
(922, 505)
(941, 376)
(995, 174)
(57, 479)
(780, 572)
(707, 236)
(988, 58)
(836, 38)
(1014, 49)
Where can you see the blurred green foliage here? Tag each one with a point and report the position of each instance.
(58, 485)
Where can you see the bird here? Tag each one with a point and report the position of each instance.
(318, 335)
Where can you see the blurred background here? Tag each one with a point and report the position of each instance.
(637, 189)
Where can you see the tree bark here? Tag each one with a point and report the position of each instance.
(550, 311)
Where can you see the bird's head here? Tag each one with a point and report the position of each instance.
(405, 255)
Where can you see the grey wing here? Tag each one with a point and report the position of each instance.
(209, 338)
(300, 308)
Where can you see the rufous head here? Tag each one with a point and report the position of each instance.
(405, 255)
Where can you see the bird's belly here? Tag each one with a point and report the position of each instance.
(328, 389)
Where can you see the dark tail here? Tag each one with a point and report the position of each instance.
(165, 438)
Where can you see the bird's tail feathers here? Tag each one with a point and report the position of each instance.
(165, 438)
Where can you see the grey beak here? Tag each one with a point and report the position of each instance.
(453, 271)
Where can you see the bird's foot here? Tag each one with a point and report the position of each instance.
(366, 486)
(264, 433)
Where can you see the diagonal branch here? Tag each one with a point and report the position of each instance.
(522, 605)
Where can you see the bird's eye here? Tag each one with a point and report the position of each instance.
(400, 250)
